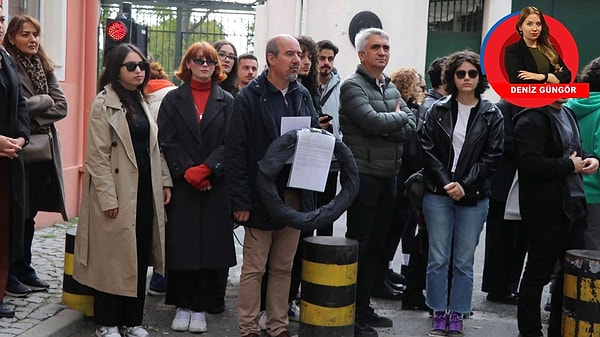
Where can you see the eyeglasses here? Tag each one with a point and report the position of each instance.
(202, 61)
(461, 74)
(131, 66)
(223, 56)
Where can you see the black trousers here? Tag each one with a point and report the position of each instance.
(505, 249)
(115, 310)
(193, 289)
(367, 222)
(547, 244)
(39, 178)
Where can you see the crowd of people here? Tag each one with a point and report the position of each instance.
(171, 170)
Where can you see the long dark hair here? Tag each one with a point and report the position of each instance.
(230, 84)
(112, 69)
(307, 44)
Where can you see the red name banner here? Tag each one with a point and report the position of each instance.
(554, 91)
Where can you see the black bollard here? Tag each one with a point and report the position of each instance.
(581, 297)
(75, 295)
(328, 291)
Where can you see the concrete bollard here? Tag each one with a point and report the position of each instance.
(581, 296)
(328, 292)
(75, 295)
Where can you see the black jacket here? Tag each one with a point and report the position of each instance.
(18, 126)
(479, 156)
(518, 57)
(251, 131)
(502, 179)
(543, 169)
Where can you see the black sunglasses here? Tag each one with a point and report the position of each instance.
(130, 66)
(202, 61)
(461, 74)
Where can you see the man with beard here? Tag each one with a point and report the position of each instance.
(329, 81)
(254, 124)
(376, 122)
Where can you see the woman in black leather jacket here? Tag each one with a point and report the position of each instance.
(462, 142)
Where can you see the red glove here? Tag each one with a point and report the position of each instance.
(198, 175)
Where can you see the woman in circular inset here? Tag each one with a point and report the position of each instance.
(533, 59)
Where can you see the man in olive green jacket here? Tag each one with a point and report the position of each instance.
(375, 122)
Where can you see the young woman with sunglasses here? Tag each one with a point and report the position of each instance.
(462, 141)
(47, 104)
(533, 59)
(126, 185)
(199, 242)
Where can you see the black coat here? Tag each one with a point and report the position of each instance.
(518, 57)
(543, 169)
(198, 233)
(479, 156)
(18, 126)
(251, 131)
(502, 179)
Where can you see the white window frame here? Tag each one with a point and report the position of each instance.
(53, 19)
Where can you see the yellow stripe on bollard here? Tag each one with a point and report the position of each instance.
(589, 290)
(75, 295)
(581, 295)
(326, 317)
(329, 274)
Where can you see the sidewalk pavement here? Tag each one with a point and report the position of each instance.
(42, 314)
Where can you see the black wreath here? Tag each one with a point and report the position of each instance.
(280, 150)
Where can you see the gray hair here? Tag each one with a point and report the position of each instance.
(360, 40)
(273, 46)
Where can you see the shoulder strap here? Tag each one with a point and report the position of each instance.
(327, 94)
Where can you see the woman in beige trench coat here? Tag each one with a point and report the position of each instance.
(126, 184)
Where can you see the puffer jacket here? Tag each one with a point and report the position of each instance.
(372, 129)
(480, 154)
(250, 131)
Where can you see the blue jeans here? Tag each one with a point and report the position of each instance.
(453, 236)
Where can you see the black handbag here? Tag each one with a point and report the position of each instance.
(39, 148)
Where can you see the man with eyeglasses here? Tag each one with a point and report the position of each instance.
(254, 124)
(375, 122)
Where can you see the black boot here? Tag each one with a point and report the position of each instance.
(6, 311)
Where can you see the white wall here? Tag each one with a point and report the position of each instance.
(405, 21)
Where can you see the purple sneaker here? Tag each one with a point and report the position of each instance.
(455, 325)
(440, 323)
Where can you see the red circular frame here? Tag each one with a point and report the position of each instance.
(503, 33)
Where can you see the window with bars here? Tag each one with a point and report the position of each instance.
(463, 16)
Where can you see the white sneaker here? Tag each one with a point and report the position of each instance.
(181, 322)
(136, 331)
(198, 322)
(262, 320)
(294, 312)
(108, 331)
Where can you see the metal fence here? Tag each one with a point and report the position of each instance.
(172, 27)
